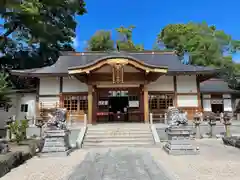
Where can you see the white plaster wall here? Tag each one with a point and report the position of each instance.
(71, 84)
(30, 100)
(49, 86)
(187, 101)
(163, 83)
(227, 104)
(186, 84)
(207, 105)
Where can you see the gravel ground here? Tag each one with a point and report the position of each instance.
(215, 162)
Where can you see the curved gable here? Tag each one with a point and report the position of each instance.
(117, 60)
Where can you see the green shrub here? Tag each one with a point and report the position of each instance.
(18, 128)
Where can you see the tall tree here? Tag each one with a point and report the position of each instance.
(37, 30)
(101, 41)
(205, 45)
(4, 89)
(34, 32)
(125, 41)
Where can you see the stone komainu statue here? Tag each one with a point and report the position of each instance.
(58, 119)
(175, 117)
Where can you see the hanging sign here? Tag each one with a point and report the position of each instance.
(133, 103)
(118, 93)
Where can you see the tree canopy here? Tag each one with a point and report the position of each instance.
(205, 45)
(4, 89)
(102, 40)
(125, 41)
(33, 33)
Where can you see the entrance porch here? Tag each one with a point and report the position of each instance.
(117, 89)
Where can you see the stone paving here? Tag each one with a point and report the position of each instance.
(122, 164)
(215, 162)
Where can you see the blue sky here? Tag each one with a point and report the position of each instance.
(151, 16)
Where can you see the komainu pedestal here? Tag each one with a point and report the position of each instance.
(179, 142)
(56, 143)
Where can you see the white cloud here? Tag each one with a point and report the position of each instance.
(75, 42)
(79, 45)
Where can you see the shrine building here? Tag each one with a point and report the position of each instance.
(118, 86)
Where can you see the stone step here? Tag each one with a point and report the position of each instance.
(105, 136)
(126, 139)
(121, 130)
(118, 132)
(114, 144)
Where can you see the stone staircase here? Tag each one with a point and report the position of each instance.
(117, 135)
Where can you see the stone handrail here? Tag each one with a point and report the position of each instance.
(152, 118)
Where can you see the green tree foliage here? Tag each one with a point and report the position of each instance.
(205, 45)
(18, 128)
(4, 89)
(101, 41)
(35, 31)
(125, 41)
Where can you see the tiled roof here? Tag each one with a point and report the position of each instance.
(216, 86)
(156, 59)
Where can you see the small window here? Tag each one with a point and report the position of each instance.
(24, 107)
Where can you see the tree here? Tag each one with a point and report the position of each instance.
(34, 32)
(37, 30)
(205, 45)
(4, 89)
(125, 41)
(101, 41)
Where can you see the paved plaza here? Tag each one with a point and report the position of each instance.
(215, 162)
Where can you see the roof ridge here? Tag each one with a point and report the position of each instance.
(72, 53)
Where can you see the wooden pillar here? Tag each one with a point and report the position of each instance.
(60, 92)
(141, 107)
(175, 90)
(199, 94)
(37, 100)
(90, 104)
(146, 108)
(94, 105)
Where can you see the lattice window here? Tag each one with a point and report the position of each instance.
(153, 102)
(165, 101)
(75, 103)
(160, 101)
(83, 103)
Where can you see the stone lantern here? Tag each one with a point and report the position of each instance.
(9, 121)
(40, 124)
(212, 123)
(197, 122)
(227, 123)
